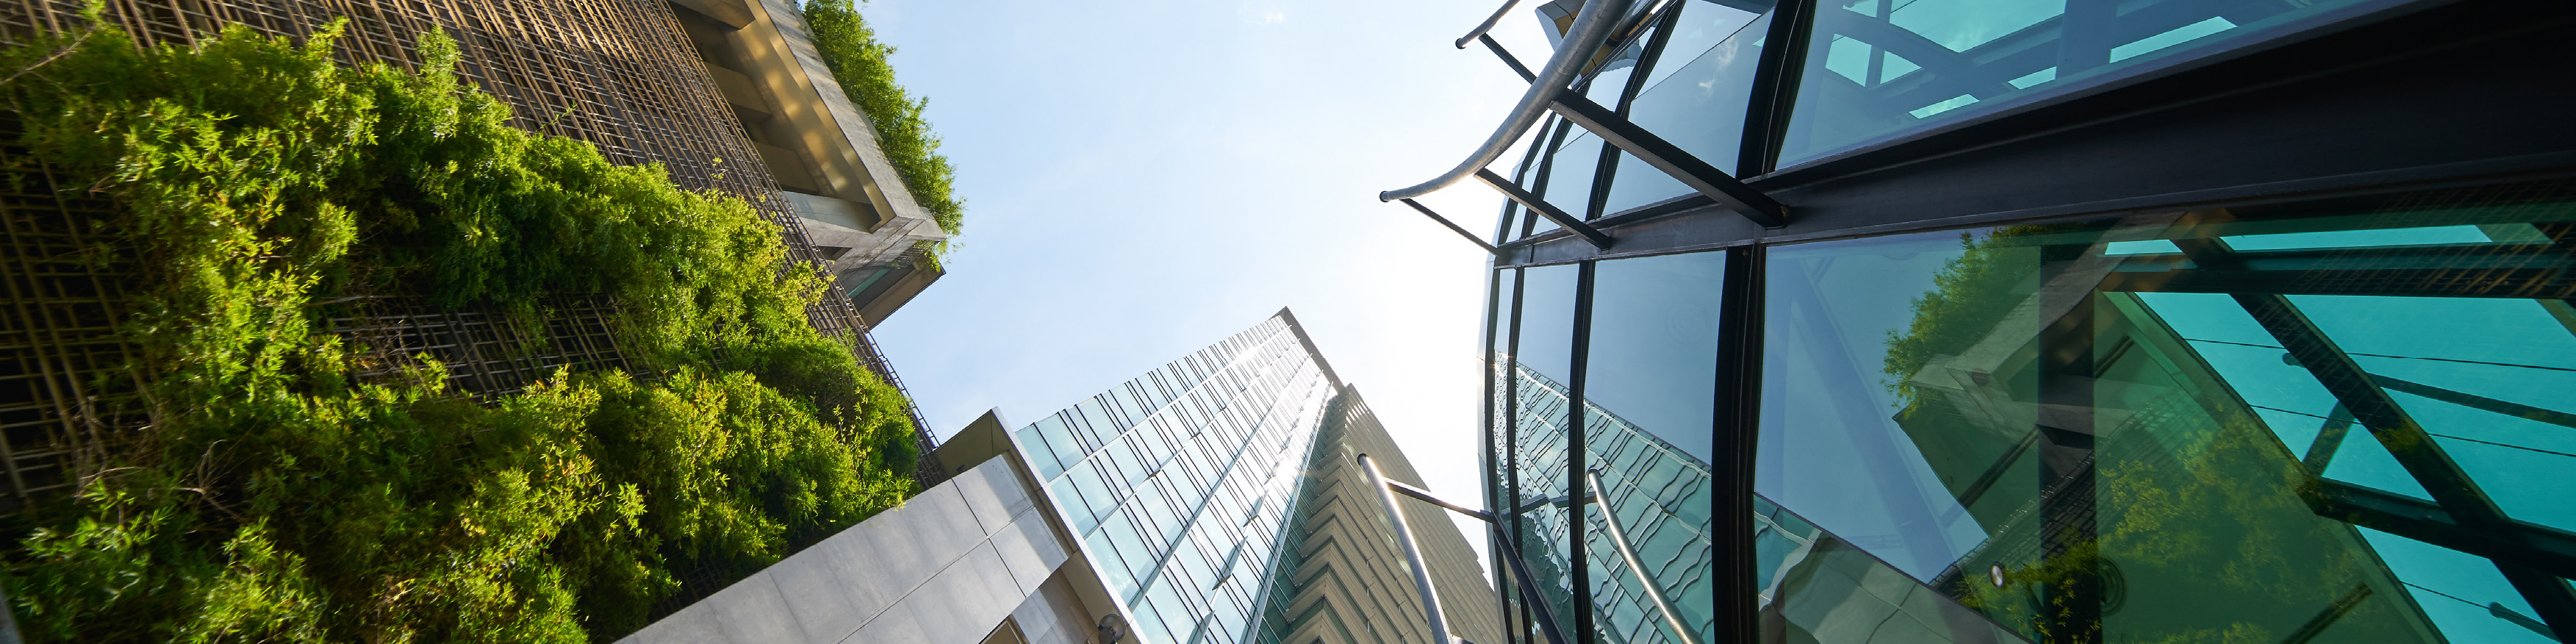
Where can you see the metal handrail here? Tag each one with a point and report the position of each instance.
(1412, 552)
(1619, 537)
(1488, 24)
(1590, 28)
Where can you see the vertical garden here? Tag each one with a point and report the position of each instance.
(285, 489)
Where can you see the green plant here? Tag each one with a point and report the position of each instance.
(858, 61)
(277, 495)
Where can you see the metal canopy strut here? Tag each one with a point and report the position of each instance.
(1671, 159)
(1543, 208)
(1548, 92)
(1591, 27)
(1444, 221)
(1386, 490)
(1619, 537)
(1413, 552)
(1488, 24)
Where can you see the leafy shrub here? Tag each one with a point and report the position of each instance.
(276, 496)
(858, 61)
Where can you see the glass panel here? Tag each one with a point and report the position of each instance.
(2136, 430)
(2463, 594)
(1569, 178)
(1877, 68)
(1654, 346)
(1546, 345)
(1546, 340)
(1697, 101)
(1701, 26)
(1041, 455)
(1819, 588)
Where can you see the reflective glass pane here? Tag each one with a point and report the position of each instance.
(2168, 427)
(1877, 68)
(1653, 355)
(1695, 99)
(1701, 26)
(1539, 407)
(1546, 334)
(1569, 177)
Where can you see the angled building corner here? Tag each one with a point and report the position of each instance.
(873, 236)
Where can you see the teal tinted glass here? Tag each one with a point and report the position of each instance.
(1877, 68)
(1652, 361)
(2174, 426)
(1569, 177)
(1698, 104)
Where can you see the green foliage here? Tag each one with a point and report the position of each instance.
(858, 61)
(276, 496)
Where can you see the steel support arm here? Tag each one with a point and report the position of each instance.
(1544, 209)
(1444, 221)
(1591, 27)
(1488, 24)
(1507, 57)
(1672, 159)
(1512, 556)
(1619, 538)
(1412, 552)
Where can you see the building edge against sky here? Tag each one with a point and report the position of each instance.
(1215, 499)
(1992, 321)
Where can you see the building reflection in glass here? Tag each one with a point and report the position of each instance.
(2332, 422)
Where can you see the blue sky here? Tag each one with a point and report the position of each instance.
(1144, 178)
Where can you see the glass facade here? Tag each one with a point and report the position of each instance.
(1178, 483)
(1865, 72)
(2338, 420)
(2074, 322)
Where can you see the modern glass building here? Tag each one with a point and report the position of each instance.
(2048, 321)
(1214, 498)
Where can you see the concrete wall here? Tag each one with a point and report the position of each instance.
(946, 568)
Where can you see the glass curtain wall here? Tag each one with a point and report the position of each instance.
(2335, 421)
(1178, 483)
(1850, 74)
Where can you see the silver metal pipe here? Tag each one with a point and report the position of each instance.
(1590, 28)
(1488, 25)
(1619, 537)
(1412, 552)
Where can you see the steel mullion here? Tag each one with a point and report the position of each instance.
(1578, 563)
(1775, 86)
(1737, 423)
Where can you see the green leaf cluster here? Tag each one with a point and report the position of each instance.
(277, 495)
(858, 61)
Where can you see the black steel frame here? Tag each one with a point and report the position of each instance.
(2229, 130)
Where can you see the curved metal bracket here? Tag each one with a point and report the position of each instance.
(1488, 24)
(1412, 552)
(1619, 537)
(1590, 28)
(1520, 570)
